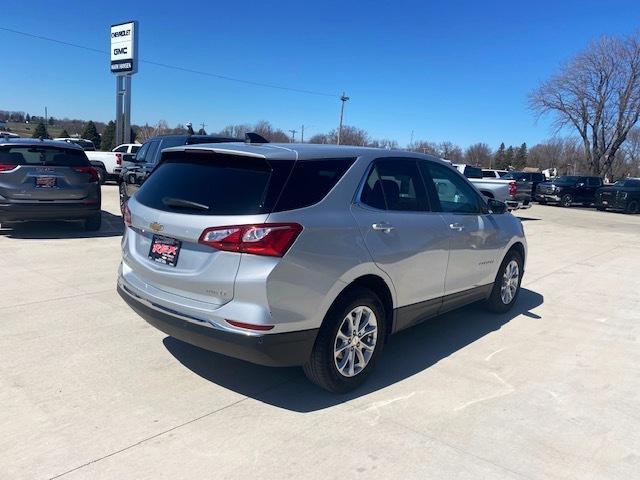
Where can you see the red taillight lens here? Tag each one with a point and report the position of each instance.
(513, 188)
(93, 173)
(126, 215)
(119, 158)
(272, 239)
(250, 326)
(5, 168)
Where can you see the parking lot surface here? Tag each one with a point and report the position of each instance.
(549, 390)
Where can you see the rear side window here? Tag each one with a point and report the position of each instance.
(311, 181)
(395, 184)
(213, 184)
(42, 155)
(472, 172)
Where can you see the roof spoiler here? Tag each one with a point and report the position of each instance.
(252, 137)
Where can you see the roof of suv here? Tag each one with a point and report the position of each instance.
(194, 138)
(295, 151)
(34, 142)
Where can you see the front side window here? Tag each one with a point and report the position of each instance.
(395, 184)
(454, 194)
(593, 182)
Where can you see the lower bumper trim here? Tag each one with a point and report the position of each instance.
(273, 350)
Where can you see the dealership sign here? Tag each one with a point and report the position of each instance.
(124, 48)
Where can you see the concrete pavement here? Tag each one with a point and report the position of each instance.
(550, 390)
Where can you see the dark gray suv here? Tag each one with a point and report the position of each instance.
(47, 180)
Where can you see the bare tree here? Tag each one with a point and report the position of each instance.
(598, 94)
(479, 154)
(383, 143)
(450, 151)
(424, 146)
(320, 138)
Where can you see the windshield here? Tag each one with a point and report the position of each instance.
(564, 179)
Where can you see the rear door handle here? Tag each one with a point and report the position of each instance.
(384, 227)
(458, 227)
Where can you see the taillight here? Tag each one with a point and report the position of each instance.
(513, 189)
(272, 239)
(126, 215)
(119, 158)
(5, 168)
(93, 173)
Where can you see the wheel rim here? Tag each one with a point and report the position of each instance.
(567, 201)
(510, 281)
(355, 341)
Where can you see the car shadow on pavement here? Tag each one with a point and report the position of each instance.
(407, 353)
(112, 226)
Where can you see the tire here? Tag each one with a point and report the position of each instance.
(566, 200)
(632, 207)
(93, 223)
(497, 302)
(122, 192)
(601, 209)
(323, 367)
(102, 175)
(542, 202)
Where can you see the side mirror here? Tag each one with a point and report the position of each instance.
(581, 184)
(496, 206)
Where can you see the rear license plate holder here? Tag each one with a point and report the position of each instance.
(165, 250)
(46, 182)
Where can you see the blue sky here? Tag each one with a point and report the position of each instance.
(457, 71)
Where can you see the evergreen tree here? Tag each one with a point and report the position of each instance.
(133, 135)
(52, 120)
(509, 156)
(90, 132)
(64, 133)
(108, 141)
(521, 157)
(202, 131)
(40, 131)
(500, 161)
(28, 118)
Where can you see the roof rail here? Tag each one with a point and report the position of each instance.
(252, 137)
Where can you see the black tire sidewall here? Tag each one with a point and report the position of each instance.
(566, 196)
(632, 210)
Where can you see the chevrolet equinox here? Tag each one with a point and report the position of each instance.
(311, 255)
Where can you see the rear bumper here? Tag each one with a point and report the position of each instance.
(613, 203)
(11, 212)
(273, 350)
(515, 204)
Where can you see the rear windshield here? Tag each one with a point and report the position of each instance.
(513, 176)
(472, 172)
(214, 184)
(211, 184)
(567, 179)
(42, 155)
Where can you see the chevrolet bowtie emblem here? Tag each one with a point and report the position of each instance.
(156, 227)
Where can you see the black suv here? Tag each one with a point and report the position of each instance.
(569, 189)
(623, 195)
(136, 169)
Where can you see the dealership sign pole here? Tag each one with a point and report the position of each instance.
(124, 63)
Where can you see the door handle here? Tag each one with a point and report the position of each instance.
(384, 227)
(458, 227)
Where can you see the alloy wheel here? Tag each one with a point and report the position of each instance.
(510, 282)
(355, 341)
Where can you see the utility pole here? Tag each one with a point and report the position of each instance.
(411, 142)
(343, 99)
(203, 125)
(302, 133)
(46, 121)
(293, 136)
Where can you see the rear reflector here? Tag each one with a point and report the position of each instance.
(249, 326)
(271, 239)
(513, 188)
(5, 168)
(93, 173)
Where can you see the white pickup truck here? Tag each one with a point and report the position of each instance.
(504, 190)
(108, 164)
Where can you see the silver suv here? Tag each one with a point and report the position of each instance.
(311, 255)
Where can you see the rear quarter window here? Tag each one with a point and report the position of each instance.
(311, 181)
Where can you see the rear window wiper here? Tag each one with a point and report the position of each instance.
(182, 203)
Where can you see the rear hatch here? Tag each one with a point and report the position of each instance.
(43, 173)
(190, 192)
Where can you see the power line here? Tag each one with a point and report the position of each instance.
(175, 67)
